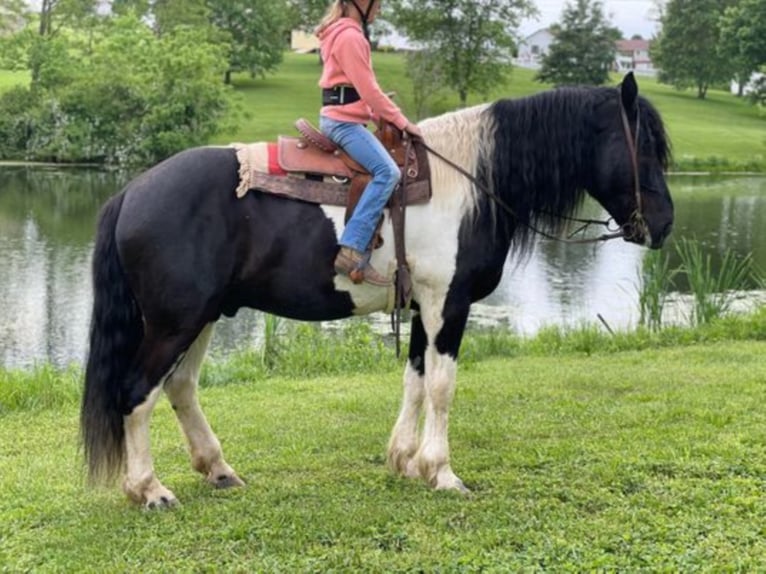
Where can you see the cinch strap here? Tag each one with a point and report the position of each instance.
(339, 96)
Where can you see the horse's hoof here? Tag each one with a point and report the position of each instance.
(162, 503)
(226, 481)
(456, 486)
(450, 481)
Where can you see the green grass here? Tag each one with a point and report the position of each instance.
(584, 451)
(637, 460)
(719, 133)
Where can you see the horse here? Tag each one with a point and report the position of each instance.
(175, 249)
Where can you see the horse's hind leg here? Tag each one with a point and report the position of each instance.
(140, 483)
(204, 448)
(158, 356)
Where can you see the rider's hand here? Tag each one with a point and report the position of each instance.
(413, 130)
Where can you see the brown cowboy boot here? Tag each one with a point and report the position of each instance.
(356, 266)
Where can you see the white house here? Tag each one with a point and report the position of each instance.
(633, 55)
(749, 86)
(533, 48)
(303, 42)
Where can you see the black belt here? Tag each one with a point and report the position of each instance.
(339, 96)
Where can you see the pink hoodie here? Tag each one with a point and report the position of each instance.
(347, 61)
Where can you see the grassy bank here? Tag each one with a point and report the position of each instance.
(584, 451)
(304, 351)
(646, 459)
(721, 133)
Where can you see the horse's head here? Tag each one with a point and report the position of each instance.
(631, 154)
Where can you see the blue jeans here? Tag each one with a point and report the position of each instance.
(365, 148)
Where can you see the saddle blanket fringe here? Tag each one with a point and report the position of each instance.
(260, 157)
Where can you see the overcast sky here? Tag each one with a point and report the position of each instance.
(630, 16)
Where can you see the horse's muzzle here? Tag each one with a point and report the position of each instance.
(639, 233)
(659, 239)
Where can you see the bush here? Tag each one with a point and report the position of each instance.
(127, 98)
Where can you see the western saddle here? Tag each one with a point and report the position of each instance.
(319, 159)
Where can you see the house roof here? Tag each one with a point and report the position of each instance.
(632, 45)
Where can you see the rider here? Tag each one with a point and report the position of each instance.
(351, 97)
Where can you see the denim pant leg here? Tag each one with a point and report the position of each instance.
(365, 148)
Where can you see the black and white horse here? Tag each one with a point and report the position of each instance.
(176, 249)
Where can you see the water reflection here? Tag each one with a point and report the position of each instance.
(47, 221)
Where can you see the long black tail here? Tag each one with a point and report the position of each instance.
(116, 331)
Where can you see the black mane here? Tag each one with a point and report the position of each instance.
(542, 153)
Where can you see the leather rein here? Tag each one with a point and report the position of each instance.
(636, 217)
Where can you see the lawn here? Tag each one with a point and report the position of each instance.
(632, 460)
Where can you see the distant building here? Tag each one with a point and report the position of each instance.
(633, 55)
(533, 48)
(303, 42)
(749, 87)
(629, 54)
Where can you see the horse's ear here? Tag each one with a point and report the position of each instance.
(629, 92)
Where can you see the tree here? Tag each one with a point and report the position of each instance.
(305, 14)
(743, 38)
(473, 40)
(170, 14)
(55, 15)
(427, 79)
(687, 49)
(584, 47)
(13, 13)
(38, 42)
(255, 31)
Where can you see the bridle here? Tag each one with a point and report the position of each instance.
(636, 219)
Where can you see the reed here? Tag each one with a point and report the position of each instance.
(713, 290)
(655, 284)
(272, 345)
(40, 387)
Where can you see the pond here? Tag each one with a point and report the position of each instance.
(47, 219)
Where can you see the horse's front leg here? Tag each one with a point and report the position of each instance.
(445, 333)
(404, 438)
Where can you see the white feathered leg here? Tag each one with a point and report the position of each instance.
(204, 447)
(404, 438)
(140, 483)
(434, 454)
